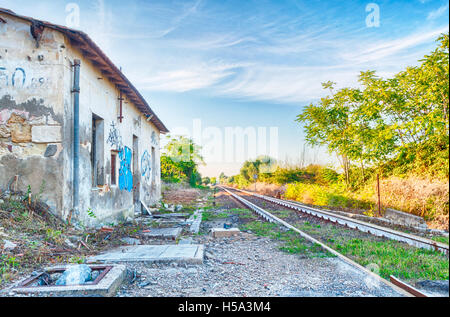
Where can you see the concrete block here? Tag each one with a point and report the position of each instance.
(170, 215)
(186, 241)
(404, 218)
(163, 233)
(224, 233)
(196, 219)
(46, 134)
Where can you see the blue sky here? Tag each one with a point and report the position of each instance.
(249, 63)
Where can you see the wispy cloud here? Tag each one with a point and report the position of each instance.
(259, 51)
(385, 49)
(438, 12)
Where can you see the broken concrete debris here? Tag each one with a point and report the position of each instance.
(9, 245)
(75, 275)
(131, 241)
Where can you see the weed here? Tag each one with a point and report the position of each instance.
(53, 235)
(440, 239)
(77, 260)
(8, 267)
(91, 213)
(292, 242)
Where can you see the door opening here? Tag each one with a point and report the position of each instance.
(136, 175)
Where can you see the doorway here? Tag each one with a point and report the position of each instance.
(136, 175)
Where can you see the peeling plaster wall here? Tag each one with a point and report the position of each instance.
(36, 128)
(31, 111)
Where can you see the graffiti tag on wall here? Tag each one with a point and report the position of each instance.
(114, 137)
(146, 166)
(125, 154)
(153, 138)
(125, 175)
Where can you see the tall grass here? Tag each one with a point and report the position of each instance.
(335, 196)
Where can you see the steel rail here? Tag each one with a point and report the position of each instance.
(272, 218)
(358, 224)
(406, 287)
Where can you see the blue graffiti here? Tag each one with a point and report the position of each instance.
(146, 165)
(125, 175)
(4, 76)
(14, 76)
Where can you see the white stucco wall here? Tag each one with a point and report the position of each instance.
(51, 79)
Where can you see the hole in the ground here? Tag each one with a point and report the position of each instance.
(49, 277)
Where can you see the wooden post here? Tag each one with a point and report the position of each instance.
(378, 192)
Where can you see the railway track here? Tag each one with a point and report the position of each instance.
(394, 283)
(355, 224)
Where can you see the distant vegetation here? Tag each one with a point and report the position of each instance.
(397, 128)
(180, 160)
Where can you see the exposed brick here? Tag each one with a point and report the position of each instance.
(20, 133)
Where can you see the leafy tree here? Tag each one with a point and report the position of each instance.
(180, 159)
(206, 180)
(400, 122)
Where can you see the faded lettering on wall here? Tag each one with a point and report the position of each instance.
(17, 78)
(146, 166)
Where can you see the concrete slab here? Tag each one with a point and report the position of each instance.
(171, 215)
(224, 233)
(163, 233)
(196, 219)
(188, 240)
(106, 287)
(184, 253)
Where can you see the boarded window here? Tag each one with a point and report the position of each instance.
(97, 151)
(153, 167)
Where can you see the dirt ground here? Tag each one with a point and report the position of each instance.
(174, 194)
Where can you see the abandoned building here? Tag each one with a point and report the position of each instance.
(73, 129)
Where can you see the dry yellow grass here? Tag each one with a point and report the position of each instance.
(423, 197)
(267, 189)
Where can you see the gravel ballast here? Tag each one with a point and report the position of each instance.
(252, 266)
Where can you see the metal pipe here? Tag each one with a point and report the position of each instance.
(378, 193)
(76, 134)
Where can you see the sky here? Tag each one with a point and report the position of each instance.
(248, 65)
